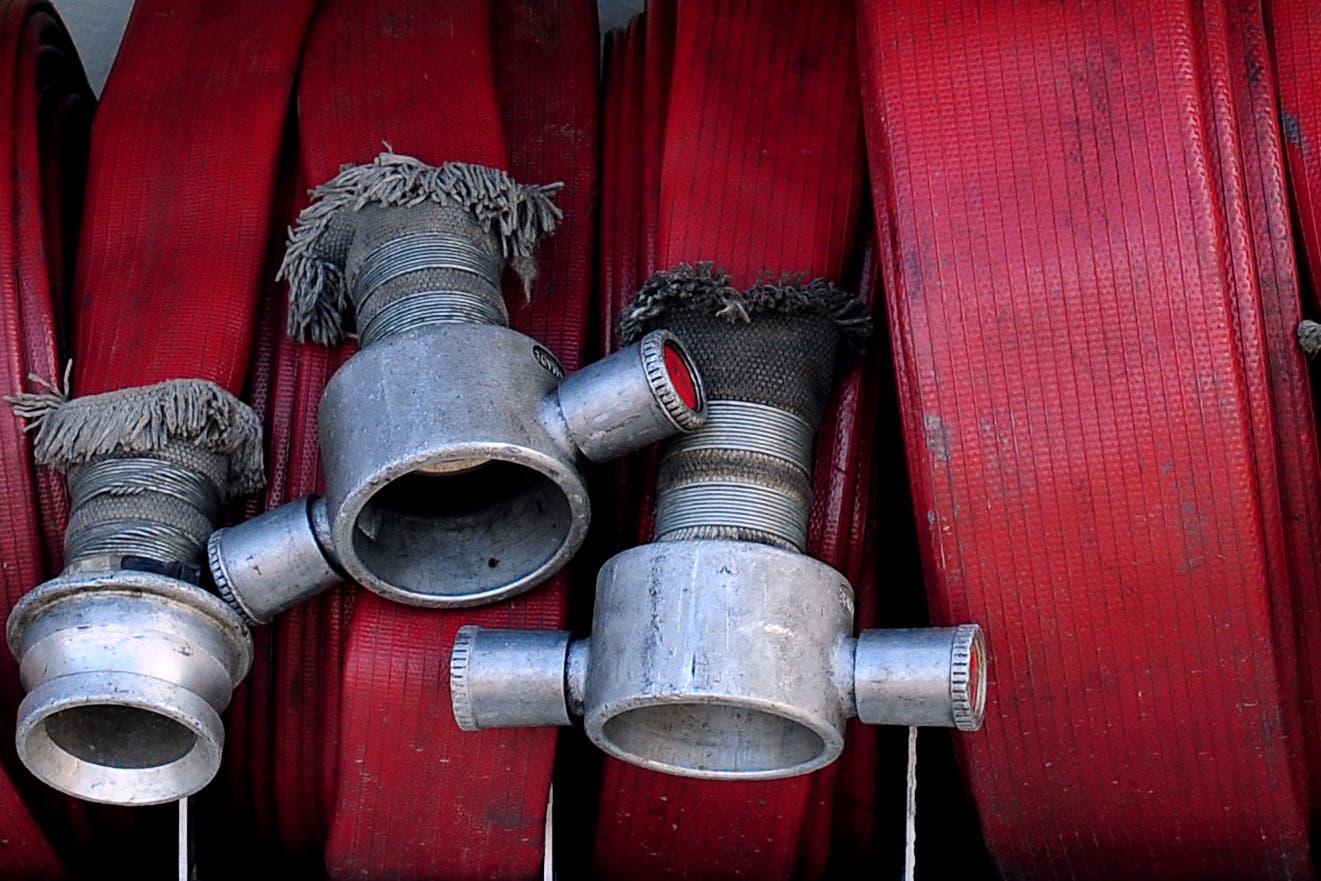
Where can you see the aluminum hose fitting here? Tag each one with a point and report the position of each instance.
(126, 660)
(451, 445)
(721, 650)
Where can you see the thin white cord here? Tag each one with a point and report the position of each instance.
(548, 858)
(910, 829)
(183, 840)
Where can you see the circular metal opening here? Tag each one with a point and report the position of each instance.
(450, 537)
(682, 375)
(119, 736)
(716, 740)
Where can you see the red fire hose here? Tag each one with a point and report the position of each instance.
(758, 169)
(1091, 296)
(367, 762)
(180, 189)
(47, 107)
(1294, 30)
(1084, 237)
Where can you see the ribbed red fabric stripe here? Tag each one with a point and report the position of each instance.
(46, 106)
(284, 721)
(1294, 33)
(415, 797)
(1086, 290)
(636, 94)
(761, 172)
(1295, 29)
(179, 190)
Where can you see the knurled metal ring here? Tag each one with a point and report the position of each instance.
(221, 579)
(967, 681)
(653, 347)
(459, 695)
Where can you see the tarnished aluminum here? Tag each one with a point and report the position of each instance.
(189, 496)
(513, 678)
(425, 250)
(773, 504)
(633, 398)
(127, 673)
(460, 484)
(273, 562)
(723, 660)
(752, 428)
(932, 676)
(430, 307)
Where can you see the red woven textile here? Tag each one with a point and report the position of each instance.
(177, 224)
(1090, 291)
(179, 193)
(46, 108)
(1294, 31)
(760, 171)
(400, 791)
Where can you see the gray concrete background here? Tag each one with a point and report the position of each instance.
(98, 25)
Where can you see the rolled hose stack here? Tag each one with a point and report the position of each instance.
(1091, 288)
(43, 147)
(1290, 41)
(1110, 437)
(169, 268)
(362, 661)
(700, 191)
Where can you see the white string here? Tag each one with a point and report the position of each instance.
(548, 859)
(184, 873)
(910, 829)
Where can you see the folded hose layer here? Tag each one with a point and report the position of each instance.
(179, 205)
(1090, 292)
(375, 750)
(47, 107)
(758, 171)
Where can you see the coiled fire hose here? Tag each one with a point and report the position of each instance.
(371, 752)
(758, 168)
(1110, 436)
(47, 107)
(1293, 30)
(127, 660)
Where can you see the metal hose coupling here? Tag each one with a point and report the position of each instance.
(451, 444)
(126, 660)
(721, 650)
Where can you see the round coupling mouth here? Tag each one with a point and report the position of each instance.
(923, 676)
(275, 561)
(449, 481)
(641, 394)
(718, 659)
(483, 522)
(717, 737)
(127, 674)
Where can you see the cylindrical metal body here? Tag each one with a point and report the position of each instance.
(719, 659)
(275, 561)
(450, 476)
(413, 266)
(509, 678)
(637, 396)
(746, 474)
(127, 673)
(921, 676)
(160, 506)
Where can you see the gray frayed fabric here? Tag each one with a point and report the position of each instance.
(145, 419)
(519, 215)
(1309, 337)
(704, 289)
